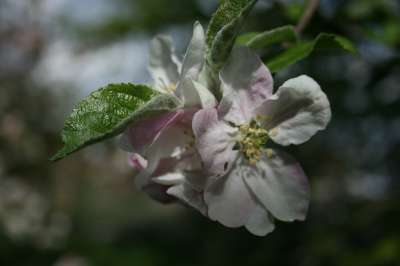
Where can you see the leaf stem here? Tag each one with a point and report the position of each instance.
(309, 12)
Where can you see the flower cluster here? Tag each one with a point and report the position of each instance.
(214, 154)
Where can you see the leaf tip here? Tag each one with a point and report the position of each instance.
(57, 156)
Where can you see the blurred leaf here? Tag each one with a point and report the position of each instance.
(223, 29)
(293, 11)
(107, 112)
(304, 49)
(388, 33)
(259, 40)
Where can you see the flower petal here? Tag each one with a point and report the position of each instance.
(189, 196)
(215, 141)
(280, 184)
(229, 200)
(194, 94)
(194, 57)
(296, 112)
(143, 133)
(163, 63)
(160, 157)
(246, 83)
(172, 141)
(207, 99)
(187, 92)
(156, 167)
(170, 179)
(260, 222)
(137, 162)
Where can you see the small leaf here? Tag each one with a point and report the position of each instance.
(106, 112)
(221, 34)
(257, 40)
(304, 49)
(228, 11)
(223, 29)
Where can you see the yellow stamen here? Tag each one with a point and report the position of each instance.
(252, 140)
(170, 87)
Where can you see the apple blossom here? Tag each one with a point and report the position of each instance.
(247, 183)
(162, 146)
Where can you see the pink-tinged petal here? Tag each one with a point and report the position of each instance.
(184, 179)
(246, 83)
(189, 196)
(280, 184)
(156, 168)
(173, 141)
(143, 133)
(215, 141)
(165, 153)
(137, 162)
(296, 112)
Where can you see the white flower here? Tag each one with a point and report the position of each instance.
(181, 79)
(162, 146)
(249, 184)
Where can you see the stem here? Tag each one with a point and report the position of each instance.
(311, 7)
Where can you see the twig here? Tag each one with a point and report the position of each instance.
(311, 7)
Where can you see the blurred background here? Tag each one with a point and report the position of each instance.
(85, 211)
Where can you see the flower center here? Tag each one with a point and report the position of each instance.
(252, 139)
(171, 88)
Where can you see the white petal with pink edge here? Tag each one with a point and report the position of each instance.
(245, 82)
(215, 141)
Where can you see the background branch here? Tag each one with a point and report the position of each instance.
(310, 9)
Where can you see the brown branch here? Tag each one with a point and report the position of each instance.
(311, 7)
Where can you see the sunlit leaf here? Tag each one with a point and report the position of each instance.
(304, 49)
(257, 40)
(106, 112)
(223, 29)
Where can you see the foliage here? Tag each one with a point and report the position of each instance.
(258, 40)
(106, 112)
(304, 49)
(222, 31)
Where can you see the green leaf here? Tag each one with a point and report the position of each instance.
(304, 49)
(221, 34)
(223, 29)
(257, 40)
(106, 112)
